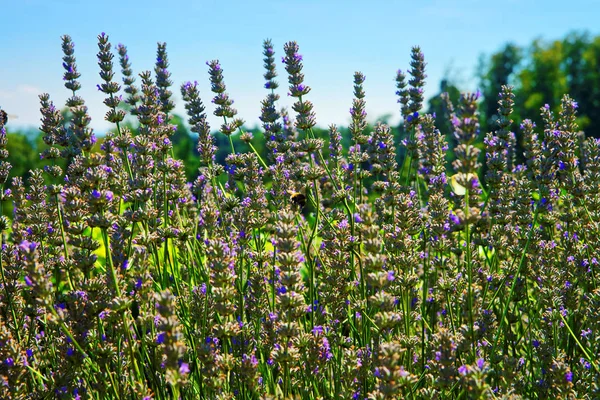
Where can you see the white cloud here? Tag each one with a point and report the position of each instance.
(29, 89)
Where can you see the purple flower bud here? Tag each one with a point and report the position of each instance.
(585, 363)
(585, 333)
(27, 246)
(184, 368)
(569, 376)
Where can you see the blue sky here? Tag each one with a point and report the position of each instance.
(336, 38)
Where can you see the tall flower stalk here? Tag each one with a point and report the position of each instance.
(291, 271)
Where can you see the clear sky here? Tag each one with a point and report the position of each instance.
(336, 38)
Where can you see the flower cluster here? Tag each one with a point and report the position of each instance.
(339, 263)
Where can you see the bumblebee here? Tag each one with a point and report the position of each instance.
(4, 117)
(298, 199)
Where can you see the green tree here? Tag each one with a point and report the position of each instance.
(494, 72)
(21, 155)
(542, 80)
(541, 74)
(438, 106)
(184, 148)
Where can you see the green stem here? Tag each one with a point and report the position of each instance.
(469, 270)
(516, 277)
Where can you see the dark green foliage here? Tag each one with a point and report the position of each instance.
(541, 73)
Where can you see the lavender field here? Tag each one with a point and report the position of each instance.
(313, 270)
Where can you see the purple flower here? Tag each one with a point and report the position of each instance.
(480, 363)
(462, 370)
(390, 276)
(160, 339)
(585, 333)
(318, 330)
(28, 281)
(569, 376)
(184, 368)
(27, 246)
(585, 363)
(9, 361)
(454, 218)
(325, 351)
(246, 202)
